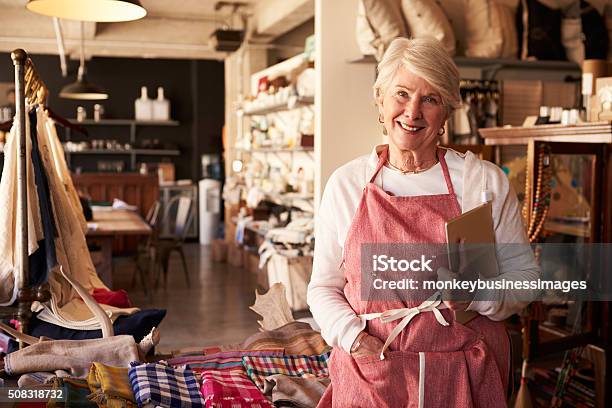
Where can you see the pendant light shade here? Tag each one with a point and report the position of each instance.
(83, 90)
(103, 11)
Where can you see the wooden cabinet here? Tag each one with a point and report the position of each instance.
(580, 211)
(133, 188)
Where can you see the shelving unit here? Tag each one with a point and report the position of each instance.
(133, 125)
(292, 103)
(492, 65)
(593, 180)
(277, 150)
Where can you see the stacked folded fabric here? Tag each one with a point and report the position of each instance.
(110, 386)
(260, 368)
(286, 366)
(160, 385)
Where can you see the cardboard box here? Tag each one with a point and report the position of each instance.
(598, 111)
(219, 250)
(294, 273)
(262, 278)
(165, 171)
(234, 254)
(251, 263)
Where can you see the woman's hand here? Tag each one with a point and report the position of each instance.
(368, 346)
(453, 299)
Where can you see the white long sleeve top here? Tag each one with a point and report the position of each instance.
(470, 177)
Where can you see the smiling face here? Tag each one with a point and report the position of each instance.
(413, 113)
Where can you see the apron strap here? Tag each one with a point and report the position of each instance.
(449, 184)
(382, 159)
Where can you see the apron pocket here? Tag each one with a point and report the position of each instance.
(371, 382)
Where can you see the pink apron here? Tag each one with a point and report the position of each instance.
(431, 360)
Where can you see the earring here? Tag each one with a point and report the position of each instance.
(382, 122)
(441, 131)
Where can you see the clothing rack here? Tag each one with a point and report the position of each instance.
(28, 85)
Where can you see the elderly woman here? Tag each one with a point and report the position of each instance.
(452, 353)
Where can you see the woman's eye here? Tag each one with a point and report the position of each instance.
(402, 94)
(431, 100)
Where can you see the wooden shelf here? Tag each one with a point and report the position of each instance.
(494, 63)
(280, 107)
(100, 151)
(590, 132)
(149, 152)
(157, 152)
(122, 122)
(573, 229)
(277, 150)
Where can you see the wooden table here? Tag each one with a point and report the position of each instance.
(107, 225)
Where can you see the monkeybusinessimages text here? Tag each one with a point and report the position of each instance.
(385, 263)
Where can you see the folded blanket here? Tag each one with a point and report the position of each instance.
(259, 368)
(75, 356)
(110, 386)
(164, 386)
(231, 389)
(297, 391)
(226, 361)
(296, 338)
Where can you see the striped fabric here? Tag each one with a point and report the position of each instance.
(231, 389)
(110, 386)
(296, 338)
(227, 361)
(164, 386)
(258, 368)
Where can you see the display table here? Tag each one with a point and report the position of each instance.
(107, 225)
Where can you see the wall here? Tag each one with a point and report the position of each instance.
(195, 89)
(346, 117)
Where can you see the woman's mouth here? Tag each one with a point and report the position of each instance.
(410, 128)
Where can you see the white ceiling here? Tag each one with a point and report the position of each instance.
(171, 29)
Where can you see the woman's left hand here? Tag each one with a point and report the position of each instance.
(453, 299)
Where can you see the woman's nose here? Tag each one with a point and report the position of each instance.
(412, 109)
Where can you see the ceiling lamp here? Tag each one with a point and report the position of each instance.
(81, 89)
(102, 11)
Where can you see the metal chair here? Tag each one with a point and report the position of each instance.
(177, 219)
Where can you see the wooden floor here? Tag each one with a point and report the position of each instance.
(213, 310)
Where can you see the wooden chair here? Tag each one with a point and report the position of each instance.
(144, 259)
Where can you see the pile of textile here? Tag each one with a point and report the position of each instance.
(286, 366)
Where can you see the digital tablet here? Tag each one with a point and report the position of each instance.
(475, 229)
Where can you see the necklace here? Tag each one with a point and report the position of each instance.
(412, 171)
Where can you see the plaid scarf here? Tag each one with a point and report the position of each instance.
(258, 368)
(231, 389)
(165, 386)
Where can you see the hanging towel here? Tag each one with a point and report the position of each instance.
(62, 171)
(10, 222)
(66, 307)
(43, 260)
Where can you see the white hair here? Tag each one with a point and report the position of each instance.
(426, 58)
